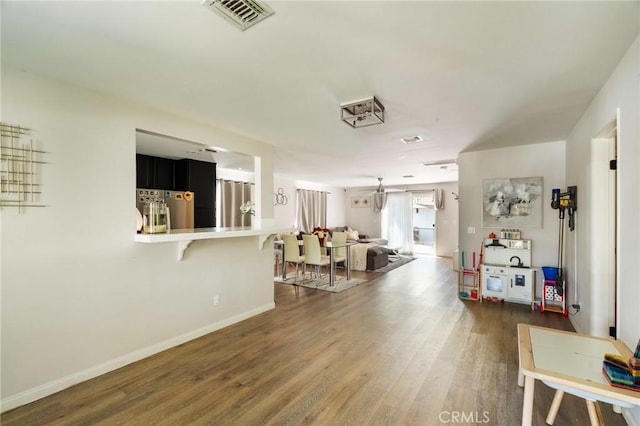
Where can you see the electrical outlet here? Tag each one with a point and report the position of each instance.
(471, 230)
(216, 300)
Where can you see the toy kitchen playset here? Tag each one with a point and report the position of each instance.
(504, 271)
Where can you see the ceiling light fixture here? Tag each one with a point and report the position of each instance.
(365, 112)
(242, 13)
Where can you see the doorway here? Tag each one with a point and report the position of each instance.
(604, 231)
(424, 224)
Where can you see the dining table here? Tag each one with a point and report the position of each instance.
(331, 247)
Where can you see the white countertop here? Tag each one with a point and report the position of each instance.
(184, 237)
(207, 233)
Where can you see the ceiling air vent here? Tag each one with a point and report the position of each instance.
(412, 139)
(242, 13)
(440, 163)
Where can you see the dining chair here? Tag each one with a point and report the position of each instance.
(339, 253)
(292, 252)
(313, 255)
(277, 258)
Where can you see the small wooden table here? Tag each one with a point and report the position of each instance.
(569, 362)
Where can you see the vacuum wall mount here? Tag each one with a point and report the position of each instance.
(562, 201)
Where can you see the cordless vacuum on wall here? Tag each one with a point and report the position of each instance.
(562, 201)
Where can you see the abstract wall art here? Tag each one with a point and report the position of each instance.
(512, 203)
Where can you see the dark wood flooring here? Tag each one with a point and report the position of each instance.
(398, 350)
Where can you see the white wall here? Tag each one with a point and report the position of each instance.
(285, 216)
(368, 222)
(363, 219)
(237, 175)
(622, 91)
(79, 296)
(546, 160)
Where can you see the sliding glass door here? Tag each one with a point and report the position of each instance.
(397, 222)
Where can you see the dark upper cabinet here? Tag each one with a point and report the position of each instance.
(154, 172)
(198, 177)
(163, 173)
(144, 171)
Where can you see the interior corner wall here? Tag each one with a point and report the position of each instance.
(362, 218)
(79, 296)
(368, 222)
(285, 215)
(546, 160)
(621, 91)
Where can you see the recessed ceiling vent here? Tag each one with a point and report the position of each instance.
(440, 163)
(366, 112)
(412, 139)
(242, 13)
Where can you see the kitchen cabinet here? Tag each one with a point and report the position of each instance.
(144, 171)
(198, 177)
(520, 285)
(154, 172)
(163, 173)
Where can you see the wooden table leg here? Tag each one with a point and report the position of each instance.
(527, 401)
(520, 378)
(555, 406)
(595, 415)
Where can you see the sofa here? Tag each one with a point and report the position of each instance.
(355, 236)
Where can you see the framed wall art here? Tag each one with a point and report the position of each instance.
(357, 202)
(512, 203)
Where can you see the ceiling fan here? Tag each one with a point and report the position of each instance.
(380, 189)
(379, 197)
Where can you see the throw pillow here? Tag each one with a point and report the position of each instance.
(353, 235)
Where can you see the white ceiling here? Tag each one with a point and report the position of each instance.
(169, 147)
(463, 75)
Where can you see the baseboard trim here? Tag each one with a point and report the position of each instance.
(52, 387)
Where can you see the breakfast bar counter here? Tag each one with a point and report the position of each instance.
(184, 237)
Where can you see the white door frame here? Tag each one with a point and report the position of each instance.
(604, 233)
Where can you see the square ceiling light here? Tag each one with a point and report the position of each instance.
(366, 112)
(242, 13)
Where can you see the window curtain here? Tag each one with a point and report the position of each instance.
(397, 222)
(311, 210)
(232, 195)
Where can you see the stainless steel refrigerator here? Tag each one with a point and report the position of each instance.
(179, 203)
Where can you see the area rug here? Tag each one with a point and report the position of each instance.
(341, 283)
(395, 261)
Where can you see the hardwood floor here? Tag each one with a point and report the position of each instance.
(399, 350)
